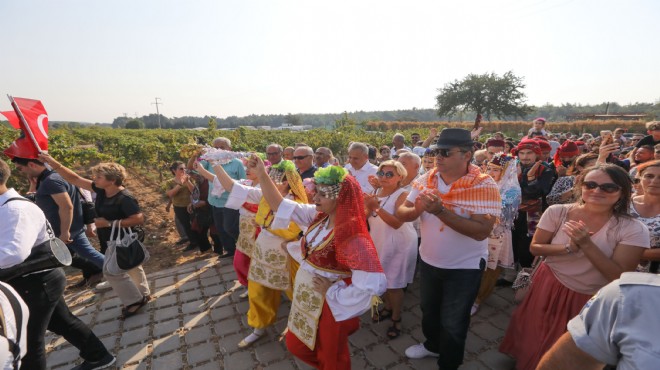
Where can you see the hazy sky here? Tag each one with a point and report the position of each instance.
(95, 60)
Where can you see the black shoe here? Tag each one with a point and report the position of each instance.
(182, 241)
(103, 363)
(190, 247)
(227, 255)
(503, 282)
(80, 284)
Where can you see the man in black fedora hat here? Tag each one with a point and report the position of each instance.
(457, 207)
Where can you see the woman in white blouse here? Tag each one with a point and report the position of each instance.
(340, 276)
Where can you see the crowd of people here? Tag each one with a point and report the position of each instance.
(580, 210)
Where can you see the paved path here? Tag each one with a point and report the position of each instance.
(198, 318)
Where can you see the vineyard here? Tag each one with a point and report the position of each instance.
(155, 149)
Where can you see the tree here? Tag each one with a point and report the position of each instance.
(487, 94)
(134, 124)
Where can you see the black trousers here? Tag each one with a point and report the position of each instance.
(181, 213)
(42, 294)
(447, 296)
(521, 242)
(227, 223)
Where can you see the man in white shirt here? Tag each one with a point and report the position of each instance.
(23, 226)
(359, 167)
(398, 142)
(454, 244)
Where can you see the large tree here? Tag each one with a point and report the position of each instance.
(487, 94)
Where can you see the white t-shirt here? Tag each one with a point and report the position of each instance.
(442, 246)
(7, 357)
(362, 175)
(22, 227)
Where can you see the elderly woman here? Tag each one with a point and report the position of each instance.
(395, 241)
(646, 208)
(588, 244)
(113, 204)
(340, 276)
(504, 170)
(562, 190)
(268, 275)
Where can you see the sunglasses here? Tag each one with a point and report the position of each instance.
(446, 153)
(637, 180)
(387, 175)
(608, 188)
(301, 157)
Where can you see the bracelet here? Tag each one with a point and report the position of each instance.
(568, 248)
(374, 213)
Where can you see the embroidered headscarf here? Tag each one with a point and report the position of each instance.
(566, 149)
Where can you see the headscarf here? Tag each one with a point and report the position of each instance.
(530, 144)
(495, 142)
(509, 189)
(265, 215)
(566, 149)
(354, 247)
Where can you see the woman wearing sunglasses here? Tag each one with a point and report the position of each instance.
(395, 241)
(646, 208)
(587, 244)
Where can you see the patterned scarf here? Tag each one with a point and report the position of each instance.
(476, 193)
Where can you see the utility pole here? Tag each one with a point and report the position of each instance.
(157, 112)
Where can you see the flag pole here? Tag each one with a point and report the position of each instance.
(26, 127)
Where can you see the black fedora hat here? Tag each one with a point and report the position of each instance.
(453, 137)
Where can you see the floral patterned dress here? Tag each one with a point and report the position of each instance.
(653, 223)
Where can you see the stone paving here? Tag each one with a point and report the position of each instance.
(197, 319)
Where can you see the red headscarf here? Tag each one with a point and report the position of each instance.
(353, 244)
(530, 144)
(567, 149)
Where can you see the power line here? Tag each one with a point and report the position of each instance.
(157, 112)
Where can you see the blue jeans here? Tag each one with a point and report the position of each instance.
(447, 296)
(226, 221)
(84, 249)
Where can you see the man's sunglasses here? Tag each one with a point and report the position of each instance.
(301, 157)
(446, 153)
(388, 174)
(608, 188)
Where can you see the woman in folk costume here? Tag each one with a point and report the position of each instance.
(340, 276)
(249, 229)
(504, 170)
(269, 273)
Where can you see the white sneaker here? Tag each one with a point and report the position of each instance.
(103, 286)
(419, 351)
(253, 337)
(474, 309)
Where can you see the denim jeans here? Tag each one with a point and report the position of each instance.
(42, 293)
(227, 223)
(84, 249)
(446, 298)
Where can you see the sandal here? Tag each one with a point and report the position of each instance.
(133, 309)
(381, 315)
(394, 332)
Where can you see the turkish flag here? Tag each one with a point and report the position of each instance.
(36, 119)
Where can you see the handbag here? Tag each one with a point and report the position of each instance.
(129, 252)
(88, 209)
(524, 279)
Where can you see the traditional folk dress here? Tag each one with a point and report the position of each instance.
(319, 325)
(500, 247)
(249, 230)
(268, 274)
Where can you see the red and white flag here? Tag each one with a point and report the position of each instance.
(34, 128)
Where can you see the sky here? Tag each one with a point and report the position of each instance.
(92, 61)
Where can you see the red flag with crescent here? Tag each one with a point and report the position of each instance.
(35, 125)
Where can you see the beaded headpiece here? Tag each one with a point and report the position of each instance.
(278, 171)
(329, 180)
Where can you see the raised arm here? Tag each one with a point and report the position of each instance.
(226, 181)
(67, 174)
(268, 188)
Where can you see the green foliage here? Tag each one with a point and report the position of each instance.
(134, 124)
(487, 94)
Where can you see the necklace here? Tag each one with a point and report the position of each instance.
(373, 214)
(322, 226)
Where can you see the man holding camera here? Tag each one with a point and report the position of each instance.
(23, 227)
(61, 203)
